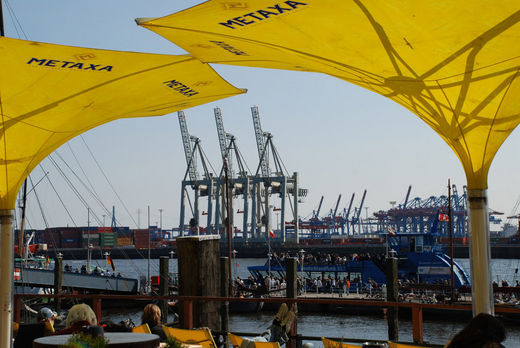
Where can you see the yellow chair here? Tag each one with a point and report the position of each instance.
(16, 326)
(196, 336)
(49, 328)
(143, 328)
(236, 342)
(267, 345)
(402, 345)
(335, 344)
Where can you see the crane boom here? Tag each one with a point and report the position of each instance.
(361, 205)
(407, 196)
(350, 206)
(319, 208)
(188, 150)
(337, 204)
(223, 139)
(260, 141)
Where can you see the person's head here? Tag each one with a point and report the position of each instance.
(151, 315)
(46, 314)
(81, 312)
(483, 328)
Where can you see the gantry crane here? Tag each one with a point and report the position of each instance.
(356, 218)
(201, 187)
(271, 181)
(239, 182)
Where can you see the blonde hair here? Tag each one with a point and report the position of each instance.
(81, 312)
(151, 315)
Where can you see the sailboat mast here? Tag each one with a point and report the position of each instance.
(88, 240)
(450, 218)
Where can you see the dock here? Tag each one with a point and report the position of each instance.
(43, 278)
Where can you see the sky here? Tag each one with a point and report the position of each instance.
(340, 138)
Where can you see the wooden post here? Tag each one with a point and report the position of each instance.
(187, 314)
(96, 307)
(292, 293)
(392, 296)
(417, 322)
(199, 276)
(224, 292)
(163, 286)
(17, 308)
(58, 278)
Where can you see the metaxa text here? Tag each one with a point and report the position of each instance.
(69, 65)
(260, 15)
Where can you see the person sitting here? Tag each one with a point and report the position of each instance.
(29, 332)
(483, 331)
(152, 317)
(79, 317)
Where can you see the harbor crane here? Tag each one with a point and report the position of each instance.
(356, 218)
(239, 183)
(347, 213)
(422, 215)
(316, 213)
(201, 187)
(268, 181)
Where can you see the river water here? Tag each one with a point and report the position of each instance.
(322, 324)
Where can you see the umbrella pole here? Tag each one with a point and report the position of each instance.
(6, 277)
(481, 289)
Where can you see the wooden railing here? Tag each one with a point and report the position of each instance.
(187, 303)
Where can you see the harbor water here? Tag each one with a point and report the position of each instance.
(320, 324)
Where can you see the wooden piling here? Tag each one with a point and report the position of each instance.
(164, 286)
(199, 276)
(392, 295)
(58, 279)
(224, 292)
(292, 293)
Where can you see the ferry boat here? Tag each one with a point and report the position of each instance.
(420, 261)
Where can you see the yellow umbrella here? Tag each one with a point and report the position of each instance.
(454, 64)
(51, 93)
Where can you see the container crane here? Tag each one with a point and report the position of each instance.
(201, 187)
(273, 182)
(347, 213)
(357, 213)
(239, 184)
(316, 214)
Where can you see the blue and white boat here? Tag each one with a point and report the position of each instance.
(420, 261)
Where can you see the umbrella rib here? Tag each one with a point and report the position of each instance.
(477, 42)
(495, 116)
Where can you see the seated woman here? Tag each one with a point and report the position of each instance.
(152, 317)
(79, 317)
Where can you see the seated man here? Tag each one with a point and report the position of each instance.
(27, 333)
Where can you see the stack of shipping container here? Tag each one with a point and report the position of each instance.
(104, 237)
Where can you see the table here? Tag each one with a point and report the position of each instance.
(116, 340)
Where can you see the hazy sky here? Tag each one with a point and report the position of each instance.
(340, 138)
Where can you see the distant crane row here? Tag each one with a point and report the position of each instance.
(254, 189)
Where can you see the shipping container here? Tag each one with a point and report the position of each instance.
(124, 241)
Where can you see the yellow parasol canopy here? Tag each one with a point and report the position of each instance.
(452, 63)
(51, 93)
